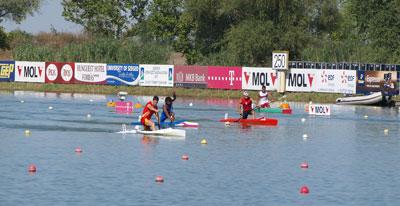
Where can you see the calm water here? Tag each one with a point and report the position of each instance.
(352, 161)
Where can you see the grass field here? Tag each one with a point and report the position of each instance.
(164, 91)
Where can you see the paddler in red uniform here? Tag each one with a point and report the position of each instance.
(245, 107)
(148, 111)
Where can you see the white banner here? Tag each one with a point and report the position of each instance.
(29, 71)
(319, 109)
(336, 81)
(301, 80)
(156, 75)
(254, 77)
(93, 73)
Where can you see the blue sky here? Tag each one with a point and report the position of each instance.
(50, 13)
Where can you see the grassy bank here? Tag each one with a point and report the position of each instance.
(161, 91)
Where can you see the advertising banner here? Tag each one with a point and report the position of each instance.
(375, 81)
(124, 107)
(336, 81)
(254, 77)
(190, 76)
(156, 75)
(319, 109)
(59, 72)
(29, 71)
(90, 73)
(301, 80)
(123, 74)
(220, 77)
(7, 71)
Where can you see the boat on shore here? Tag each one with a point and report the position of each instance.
(375, 98)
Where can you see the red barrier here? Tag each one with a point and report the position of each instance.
(59, 72)
(190, 76)
(220, 77)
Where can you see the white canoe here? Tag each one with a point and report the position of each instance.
(169, 132)
(373, 98)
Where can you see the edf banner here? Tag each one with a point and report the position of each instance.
(255, 77)
(7, 71)
(123, 74)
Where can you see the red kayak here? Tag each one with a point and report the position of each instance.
(259, 121)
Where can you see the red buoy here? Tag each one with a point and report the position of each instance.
(159, 179)
(304, 165)
(78, 150)
(304, 190)
(185, 157)
(32, 168)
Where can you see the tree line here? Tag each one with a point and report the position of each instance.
(239, 32)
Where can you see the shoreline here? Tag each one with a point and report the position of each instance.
(164, 91)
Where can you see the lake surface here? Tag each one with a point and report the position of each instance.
(351, 160)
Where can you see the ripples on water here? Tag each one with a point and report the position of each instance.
(352, 161)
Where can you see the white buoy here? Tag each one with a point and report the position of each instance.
(191, 104)
(303, 119)
(91, 100)
(88, 115)
(22, 101)
(50, 107)
(305, 136)
(386, 131)
(27, 132)
(365, 116)
(227, 124)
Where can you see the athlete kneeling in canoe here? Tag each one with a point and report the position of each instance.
(148, 111)
(263, 96)
(245, 107)
(167, 109)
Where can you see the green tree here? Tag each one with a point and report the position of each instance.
(105, 17)
(17, 10)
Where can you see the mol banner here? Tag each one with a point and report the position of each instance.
(220, 77)
(335, 81)
(319, 109)
(59, 72)
(254, 77)
(376, 81)
(90, 73)
(301, 80)
(29, 71)
(156, 75)
(7, 71)
(123, 74)
(190, 76)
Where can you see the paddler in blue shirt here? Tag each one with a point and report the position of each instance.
(168, 110)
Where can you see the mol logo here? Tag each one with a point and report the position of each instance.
(260, 78)
(30, 71)
(318, 109)
(52, 72)
(300, 80)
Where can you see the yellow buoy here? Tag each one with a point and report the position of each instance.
(27, 132)
(138, 106)
(110, 104)
(365, 116)
(203, 141)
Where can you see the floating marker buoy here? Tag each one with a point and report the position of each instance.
(203, 141)
(185, 157)
(50, 107)
(386, 131)
(304, 190)
(78, 150)
(365, 116)
(303, 119)
(227, 124)
(88, 115)
(91, 100)
(159, 179)
(32, 168)
(27, 132)
(305, 136)
(191, 104)
(304, 165)
(22, 101)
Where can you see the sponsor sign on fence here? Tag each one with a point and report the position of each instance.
(254, 77)
(29, 71)
(375, 81)
(59, 72)
(335, 81)
(190, 76)
(224, 77)
(301, 80)
(7, 71)
(90, 73)
(319, 109)
(120, 74)
(156, 75)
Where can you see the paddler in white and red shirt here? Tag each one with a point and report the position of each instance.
(263, 101)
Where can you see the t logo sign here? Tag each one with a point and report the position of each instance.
(231, 73)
